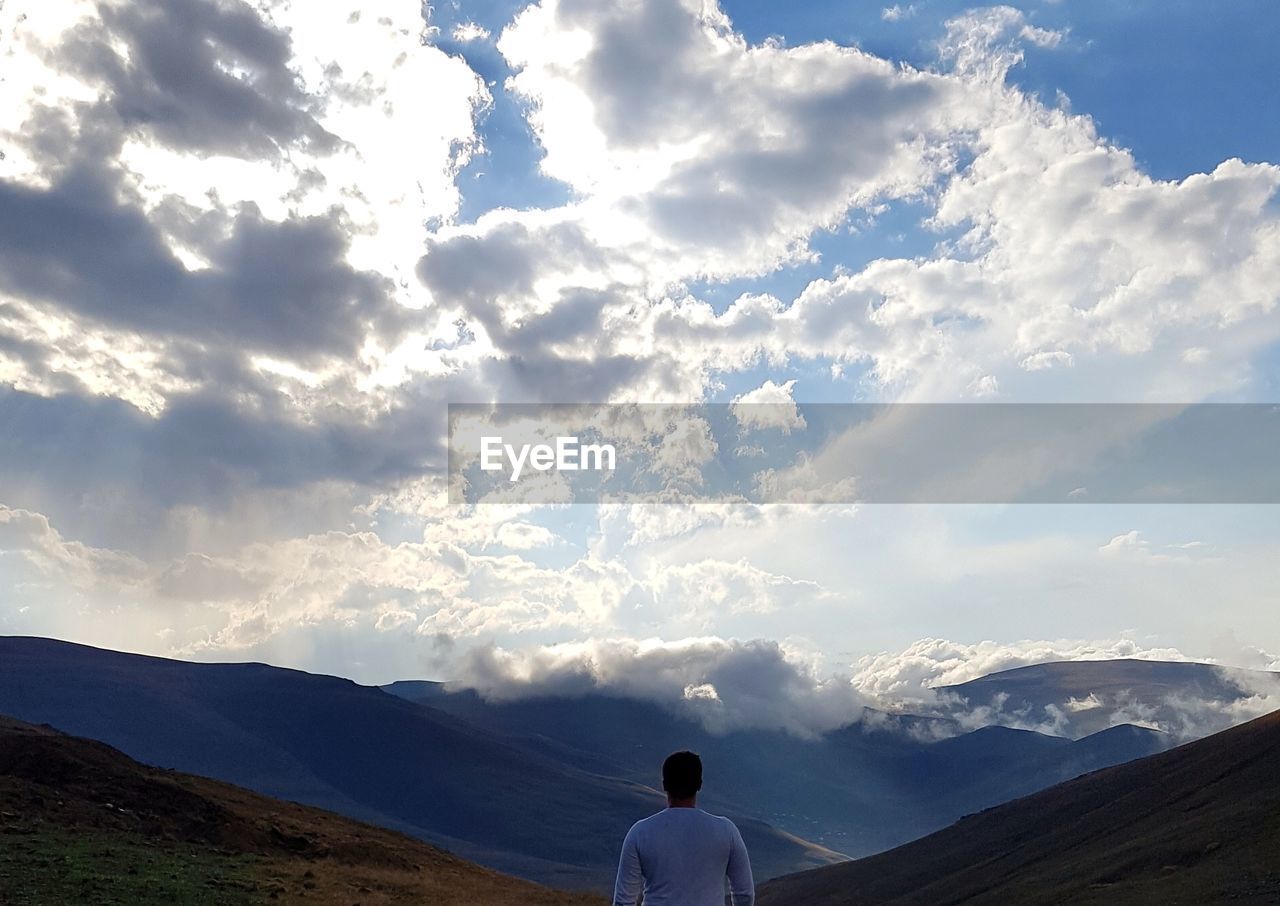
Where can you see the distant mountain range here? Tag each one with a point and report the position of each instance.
(1198, 824)
(544, 788)
(1083, 697)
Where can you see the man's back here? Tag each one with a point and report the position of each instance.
(680, 857)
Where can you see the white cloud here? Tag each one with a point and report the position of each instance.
(79, 566)
(470, 31)
(1120, 544)
(1050, 359)
(768, 406)
(703, 592)
(911, 674)
(728, 684)
(706, 155)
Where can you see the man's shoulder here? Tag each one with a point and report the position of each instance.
(723, 826)
(651, 821)
(722, 821)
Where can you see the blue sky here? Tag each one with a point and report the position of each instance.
(234, 306)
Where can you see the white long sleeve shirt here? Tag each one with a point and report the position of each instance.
(681, 857)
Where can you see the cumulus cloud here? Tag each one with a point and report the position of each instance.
(197, 76)
(279, 288)
(214, 183)
(1120, 544)
(728, 684)
(912, 674)
(703, 167)
(1134, 547)
(705, 590)
(636, 525)
(918, 676)
(727, 155)
(470, 31)
(769, 406)
(465, 577)
(81, 567)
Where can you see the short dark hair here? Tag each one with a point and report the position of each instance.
(682, 774)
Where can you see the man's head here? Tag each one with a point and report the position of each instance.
(682, 776)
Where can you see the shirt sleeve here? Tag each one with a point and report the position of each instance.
(630, 883)
(742, 887)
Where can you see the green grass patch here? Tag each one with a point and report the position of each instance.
(45, 867)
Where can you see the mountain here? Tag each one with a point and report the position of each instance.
(82, 822)
(1084, 697)
(1196, 824)
(542, 788)
(861, 789)
(355, 750)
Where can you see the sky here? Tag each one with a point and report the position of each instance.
(250, 252)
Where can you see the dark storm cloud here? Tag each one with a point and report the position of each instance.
(272, 286)
(198, 75)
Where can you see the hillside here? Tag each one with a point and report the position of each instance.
(83, 823)
(358, 751)
(1196, 824)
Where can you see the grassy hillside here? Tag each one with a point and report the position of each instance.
(1197, 824)
(82, 823)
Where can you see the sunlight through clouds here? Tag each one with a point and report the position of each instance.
(239, 287)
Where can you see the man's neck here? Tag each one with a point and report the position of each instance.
(673, 802)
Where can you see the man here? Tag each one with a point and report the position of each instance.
(682, 855)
